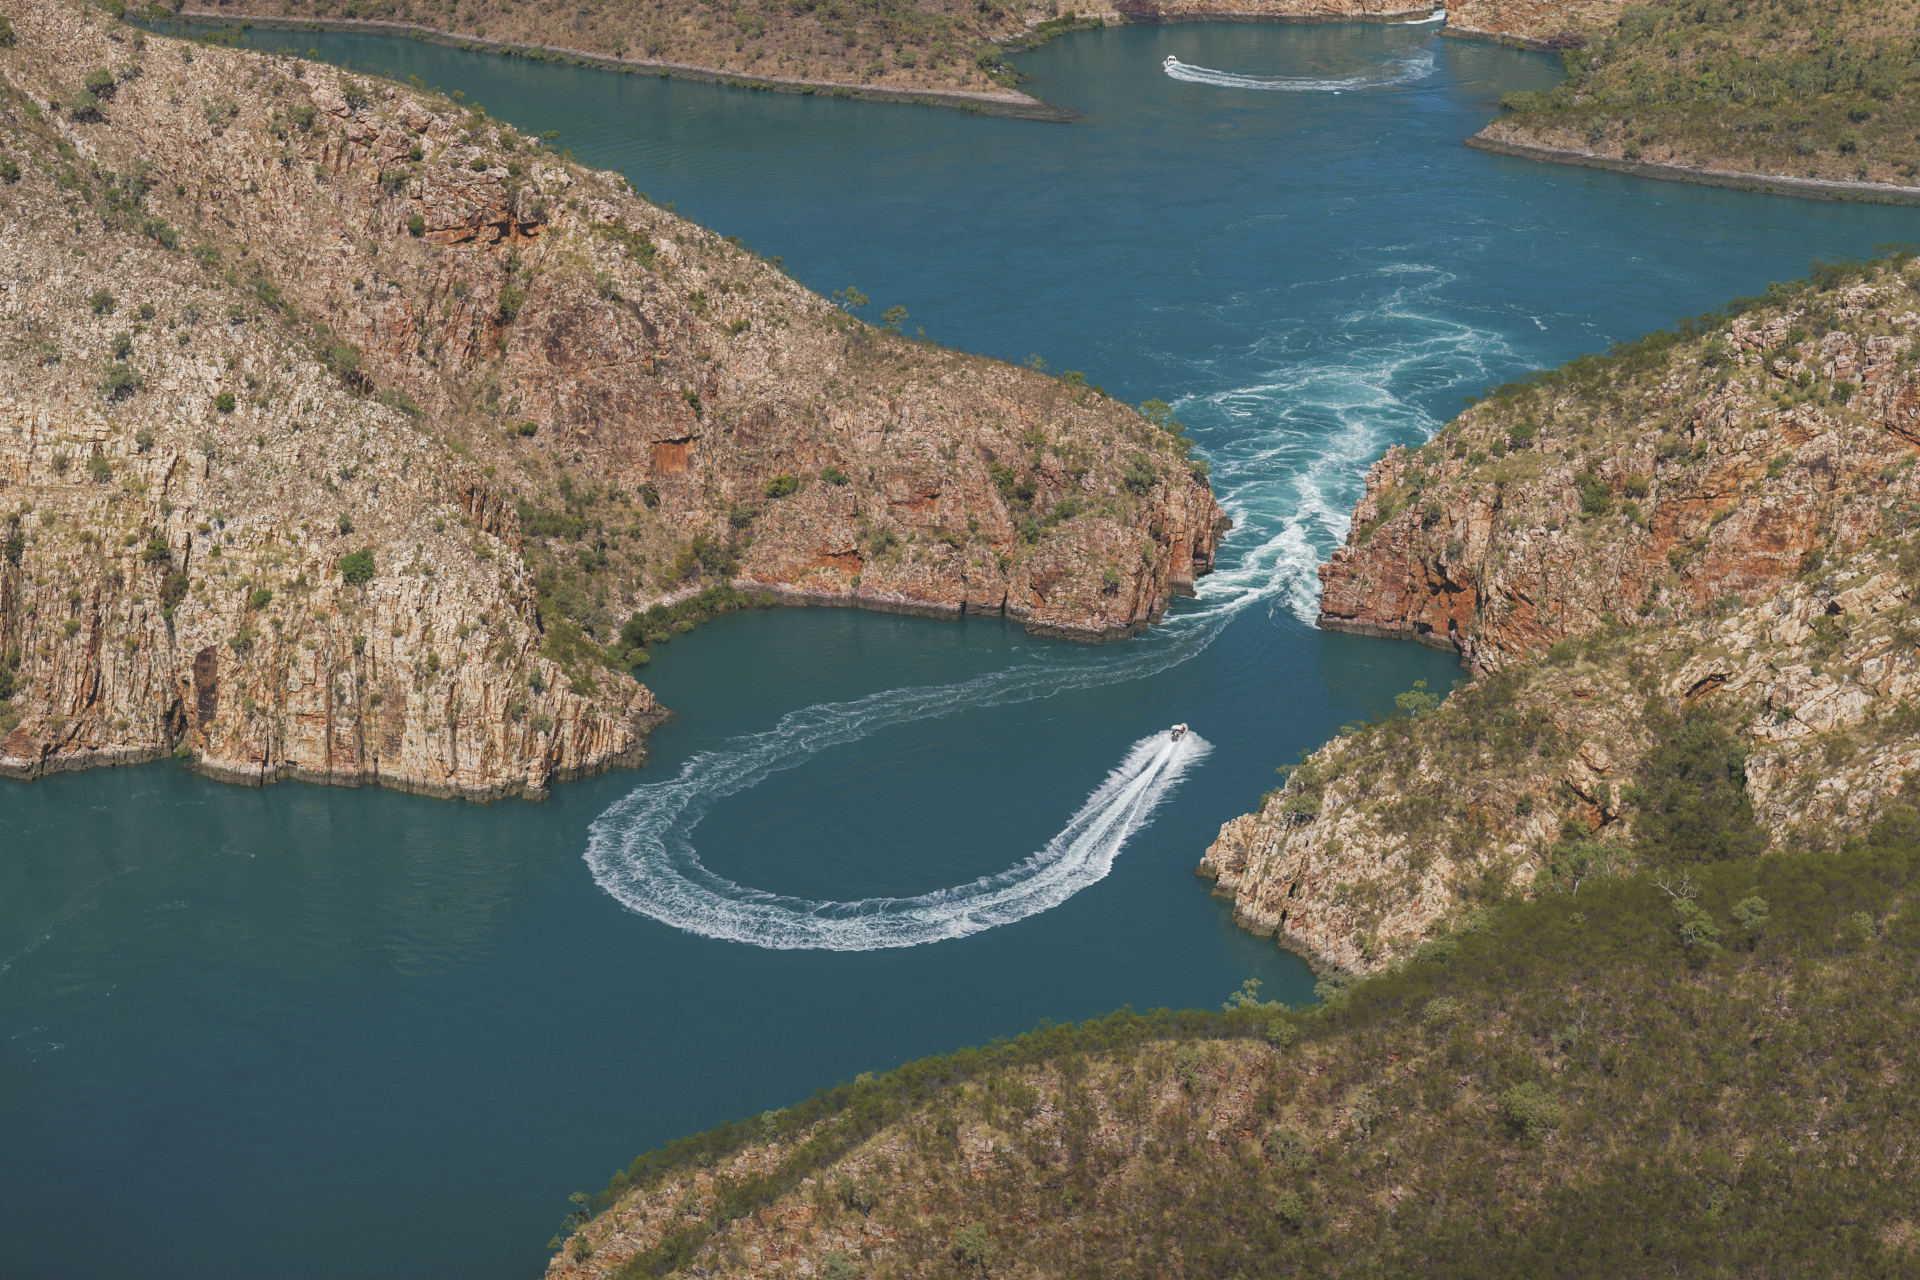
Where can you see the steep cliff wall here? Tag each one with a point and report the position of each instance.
(1710, 531)
(297, 314)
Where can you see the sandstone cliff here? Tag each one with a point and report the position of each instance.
(1716, 528)
(262, 315)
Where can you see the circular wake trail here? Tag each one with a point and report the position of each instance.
(639, 854)
(1406, 71)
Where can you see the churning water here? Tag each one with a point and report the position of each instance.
(323, 1033)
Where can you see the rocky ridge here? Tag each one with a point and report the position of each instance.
(1719, 526)
(343, 316)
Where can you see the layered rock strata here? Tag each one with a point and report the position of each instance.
(1724, 525)
(261, 315)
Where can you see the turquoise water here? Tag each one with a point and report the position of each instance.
(315, 1032)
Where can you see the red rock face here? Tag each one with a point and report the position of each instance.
(1740, 500)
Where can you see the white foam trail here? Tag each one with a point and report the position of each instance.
(638, 853)
(1295, 461)
(1406, 71)
(1438, 15)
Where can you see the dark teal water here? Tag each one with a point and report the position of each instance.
(313, 1033)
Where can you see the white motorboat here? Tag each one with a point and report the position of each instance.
(1179, 731)
(1170, 63)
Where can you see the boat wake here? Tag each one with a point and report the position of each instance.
(640, 853)
(1438, 15)
(1406, 71)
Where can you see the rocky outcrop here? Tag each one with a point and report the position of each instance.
(1539, 24)
(1720, 526)
(1726, 476)
(293, 315)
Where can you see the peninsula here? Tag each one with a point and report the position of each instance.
(348, 434)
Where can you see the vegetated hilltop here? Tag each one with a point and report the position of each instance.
(929, 47)
(1702, 1072)
(1683, 573)
(295, 314)
(1774, 88)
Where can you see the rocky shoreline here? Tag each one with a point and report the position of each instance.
(1771, 184)
(355, 440)
(1704, 528)
(1009, 103)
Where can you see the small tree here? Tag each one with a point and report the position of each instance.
(781, 486)
(101, 302)
(120, 381)
(99, 83)
(356, 568)
(224, 402)
(973, 1247)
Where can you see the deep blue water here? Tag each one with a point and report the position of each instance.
(316, 1032)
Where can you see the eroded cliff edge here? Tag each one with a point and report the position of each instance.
(1682, 575)
(261, 317)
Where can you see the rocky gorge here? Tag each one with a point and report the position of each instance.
(1706, 535)
(348, 428)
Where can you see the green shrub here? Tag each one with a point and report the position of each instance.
(99, 468)
(780, 487)
(9, 170)
(416, 226)
(120, 381)
(260, 599)
(100, 302)
(357, 567)
(833, 475)
(972, 1247)
(1529, 1110)
(224, 402)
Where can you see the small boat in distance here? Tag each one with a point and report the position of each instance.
(1179, 732)
(1170, 63)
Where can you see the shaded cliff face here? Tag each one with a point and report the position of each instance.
(344, 317)
(1760, 581)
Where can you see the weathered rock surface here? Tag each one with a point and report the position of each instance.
(1700, 528)
(403, 319)
(1540, 23)
(1732, 493)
